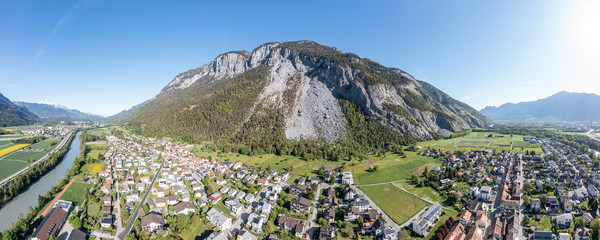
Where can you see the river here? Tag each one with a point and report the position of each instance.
(20, 204)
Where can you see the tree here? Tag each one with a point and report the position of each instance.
(360, 220)
(526, 201)
(526, 220)
(322, 221)
(593, 204)
(452, 198)
(578, 222)
(146, 209)
(595, 226)
(75, 222)
(528, 187)
(9, 235)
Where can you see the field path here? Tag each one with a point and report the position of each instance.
(57, 197)
(375, 184)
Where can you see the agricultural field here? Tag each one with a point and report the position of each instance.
(47, 144)
(8, 167)
(13, 148)
(76, 192)
(392, 167)
(387, 197)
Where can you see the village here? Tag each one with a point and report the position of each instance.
(159, 181)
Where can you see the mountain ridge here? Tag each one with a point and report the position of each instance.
(304, 81)
(561, 106)
(13, 115)
(56, 111)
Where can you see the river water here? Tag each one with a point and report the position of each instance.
(20, 204)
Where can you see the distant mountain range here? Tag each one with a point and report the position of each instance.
(13, 115)
(48, 112)
(562, 106)
(299, 90)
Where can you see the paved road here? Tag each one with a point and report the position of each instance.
(60, 145)
(135, 213)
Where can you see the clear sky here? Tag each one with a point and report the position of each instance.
(104, 56)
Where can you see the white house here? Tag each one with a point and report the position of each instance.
(218, 219)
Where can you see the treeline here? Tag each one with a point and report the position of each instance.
(30, 140)
(580, 142)
(22, 181)
(264, 133)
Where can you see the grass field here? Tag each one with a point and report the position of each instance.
(76, 192)
(388, 197)
(299, 167)
(47, 144)
(12, 148)
(96, 149)
(392, 167)
(99, 131)
(92, 168)
(221, 206)
(427, 193)
(482, 141)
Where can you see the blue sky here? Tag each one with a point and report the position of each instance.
(104, 56)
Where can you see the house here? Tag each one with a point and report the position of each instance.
(234, 204)
(183, 208)
(297, 189)
(485, 193)
(220, 181)
(215, 197)
(329, 215)
(249, 197)
(567, 207)
(264, 208)
(564, 220)
(106, 221)
(255, 222)
(172, 200)
(456, 233)
(534, 204)
(475, 234)
(160, 192)
(582, 234)
(347, 178)
(465, 217)
(291, 225)
(481, 219)
(77, 234)
(224, 190)
(51, 225)
(300, 205)
(326, 233)
(361, 203)
(542, 235)
(424, 223)
(587, 218)
(351, 214)
(107, 200)
(152, 222)
(592, 191)
(245, 235)
(160, 202)
(218, 219)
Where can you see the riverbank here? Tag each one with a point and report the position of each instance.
(21, 213)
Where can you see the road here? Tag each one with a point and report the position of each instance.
(137, 209)
(60, 145)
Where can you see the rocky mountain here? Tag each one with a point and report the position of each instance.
(13, 115)
(300, 90)
(55, 111)
(562, 106)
